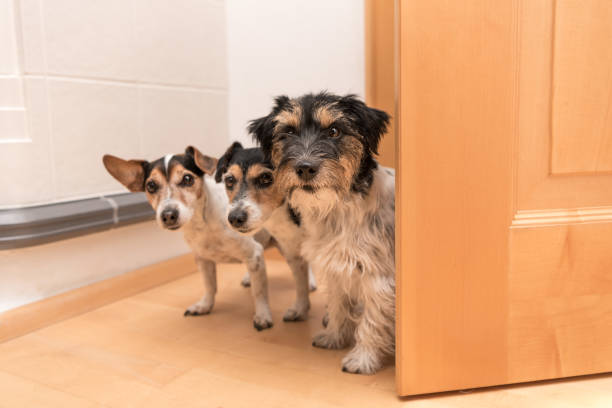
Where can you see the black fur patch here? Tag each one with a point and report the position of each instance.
(224, 161)
(244, 158)
(294, 215)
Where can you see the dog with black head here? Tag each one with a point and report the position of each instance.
(180, 189)
(322, 147)
(256, 203)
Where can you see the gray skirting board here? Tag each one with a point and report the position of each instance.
(27, 226)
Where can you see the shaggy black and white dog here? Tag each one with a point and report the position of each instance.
(322, 148)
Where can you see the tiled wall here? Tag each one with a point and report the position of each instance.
(80, 78)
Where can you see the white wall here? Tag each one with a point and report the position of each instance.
(290, 47)
(31, 274)
(80, 78)
(141, 78)
(137, 78)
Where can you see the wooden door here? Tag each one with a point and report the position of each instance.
(504, 184)
(380, 69)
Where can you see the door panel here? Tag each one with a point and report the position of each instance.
(582, 87)
(542, 184)
(504, 211)
(560, 296)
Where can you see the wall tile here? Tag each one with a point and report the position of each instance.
(90, 39)
(30, 179)
(11, 92)
(181, 42)
(8, 44)
(13, 125)
(172, 119)
(32, 36)
(88, 120)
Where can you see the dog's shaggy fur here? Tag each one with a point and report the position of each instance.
(322, 148)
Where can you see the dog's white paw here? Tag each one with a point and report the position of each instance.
(297, 312)
(295, 315)
(246, 280)
(312, 286)
(262, 322)
(328, 340)
(361, 361)
(199, 308)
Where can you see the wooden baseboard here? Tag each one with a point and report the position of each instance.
(25, 319)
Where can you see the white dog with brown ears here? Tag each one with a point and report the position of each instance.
(183, 196)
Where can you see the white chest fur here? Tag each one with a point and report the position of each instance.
(208, 234)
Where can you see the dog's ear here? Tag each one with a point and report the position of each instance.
(205, 163)
(372, 123)
(262, 129)
(257, 128)
(130, 173)
(224, 160)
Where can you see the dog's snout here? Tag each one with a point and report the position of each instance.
(170, 217)
(237, 218)
(306, 170)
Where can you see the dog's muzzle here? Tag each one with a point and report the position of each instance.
(169, 217)
(306, 170)
(237, 218)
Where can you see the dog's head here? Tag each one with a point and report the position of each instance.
(250, 187)
(322, 145)
(174, 184)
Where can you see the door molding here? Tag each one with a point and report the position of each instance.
(537, 218)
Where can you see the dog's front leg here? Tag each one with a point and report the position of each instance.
(339, 330)
(299, 310)
(375, 333)
(259, 288)
(208, 269)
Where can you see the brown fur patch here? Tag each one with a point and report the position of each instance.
(205, 163)
(271, 197)
(255, 171)
(158, 176)
(276, 154)
(184, 193)
(289, 117)
(236, 171)
(326, 116)
(130, 173)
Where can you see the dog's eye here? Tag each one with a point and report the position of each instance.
(187, 180)
(282, 135)
(334, 132)
(152, 187)
(265, 180)
(229, 182)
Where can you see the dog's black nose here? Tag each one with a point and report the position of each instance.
(306, 170)
(169, 217)
(237, 218)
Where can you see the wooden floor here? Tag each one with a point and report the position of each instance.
(141, 351)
